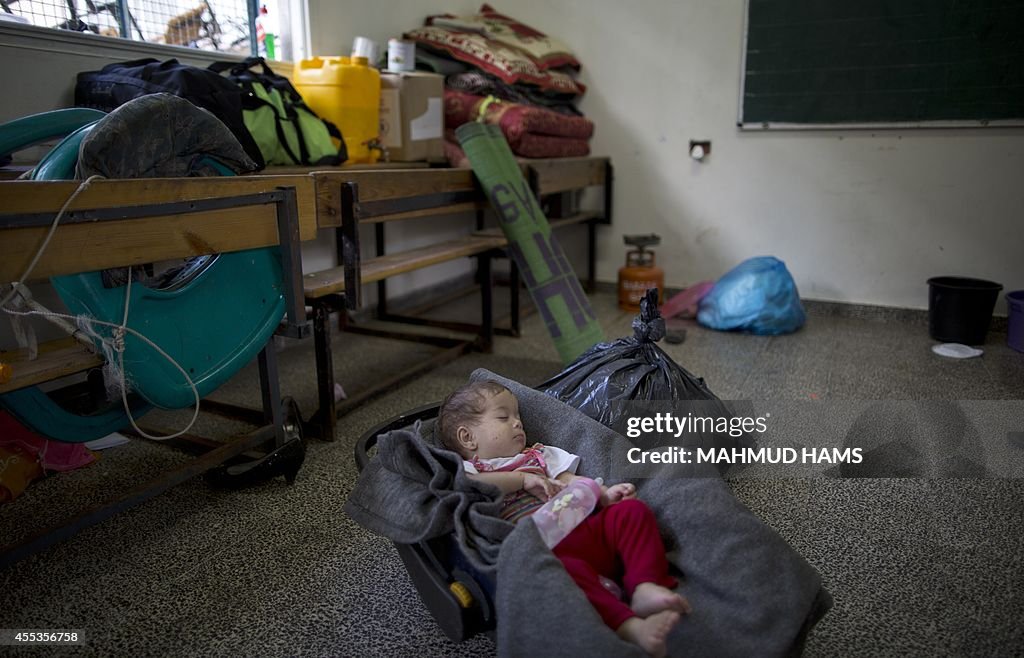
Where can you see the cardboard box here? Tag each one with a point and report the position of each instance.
(412, 116)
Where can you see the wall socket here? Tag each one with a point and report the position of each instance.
(700, 149)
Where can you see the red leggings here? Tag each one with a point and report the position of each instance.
(620, 542)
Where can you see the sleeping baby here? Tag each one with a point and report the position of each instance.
(619, 542)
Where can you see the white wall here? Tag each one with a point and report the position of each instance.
(335, 23)
(858, 216)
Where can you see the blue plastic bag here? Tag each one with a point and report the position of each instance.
(758, 296)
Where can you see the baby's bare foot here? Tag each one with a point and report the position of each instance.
(649, 598)
(651, 633)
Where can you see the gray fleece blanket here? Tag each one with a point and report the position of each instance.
(751, 593)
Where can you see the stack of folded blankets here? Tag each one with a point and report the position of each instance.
(507, 74)
(531, 131)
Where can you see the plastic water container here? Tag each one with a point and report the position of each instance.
(1015, 325)
(566, 510)
(346, 92)
(960, 308)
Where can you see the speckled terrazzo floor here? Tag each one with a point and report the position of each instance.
(917, 566)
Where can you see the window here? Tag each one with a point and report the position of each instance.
(227, 26)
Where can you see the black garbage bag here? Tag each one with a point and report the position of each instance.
(624, 381)
(630, 368)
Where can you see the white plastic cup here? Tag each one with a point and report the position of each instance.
(401, 55)
(364, 47)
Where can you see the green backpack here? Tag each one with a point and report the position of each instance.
(285, 129)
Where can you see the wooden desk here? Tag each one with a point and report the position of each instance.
(130, 222)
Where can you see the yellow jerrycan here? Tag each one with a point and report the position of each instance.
(346, 92)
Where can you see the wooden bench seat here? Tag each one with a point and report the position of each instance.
(325, 288)
(332, 281)
(577, 218)
(57, 358)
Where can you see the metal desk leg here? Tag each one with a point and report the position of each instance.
(513, 291)
(297, 326)
(591, 256)
(327, 412)
(270, 387)
(486, 302)
(382, 285)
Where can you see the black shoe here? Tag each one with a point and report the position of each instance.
(285, 461)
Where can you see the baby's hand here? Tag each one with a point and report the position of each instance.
(540, 486)
(617, 493)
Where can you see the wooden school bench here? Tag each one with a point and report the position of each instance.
(347, 199)
(116, 223)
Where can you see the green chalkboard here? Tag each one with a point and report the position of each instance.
(869, 62)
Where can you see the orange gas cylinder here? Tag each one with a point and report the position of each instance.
(640, 273)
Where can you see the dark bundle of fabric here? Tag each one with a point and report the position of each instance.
(160, 135)
(480, 83)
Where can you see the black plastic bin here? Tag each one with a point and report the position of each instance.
(960, 308)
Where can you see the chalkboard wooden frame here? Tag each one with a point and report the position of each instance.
(875, 64)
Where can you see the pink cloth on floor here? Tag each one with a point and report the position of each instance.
(52, 455)
(685, 303)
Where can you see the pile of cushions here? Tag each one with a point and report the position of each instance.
(532, 132)
(521, 79)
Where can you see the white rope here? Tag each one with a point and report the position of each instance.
(46, 242)
(116, 341)
(119, 346)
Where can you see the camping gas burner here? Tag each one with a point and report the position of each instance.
(642, 241)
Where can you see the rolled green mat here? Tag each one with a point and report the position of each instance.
(549, 277)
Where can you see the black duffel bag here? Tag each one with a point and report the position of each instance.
(116, 84)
